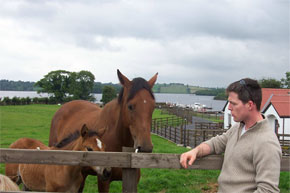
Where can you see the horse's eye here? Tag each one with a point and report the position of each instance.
(89, 149)
(130, 107)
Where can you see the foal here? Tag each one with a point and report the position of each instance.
(62, 178)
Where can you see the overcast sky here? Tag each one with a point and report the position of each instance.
(195, 42)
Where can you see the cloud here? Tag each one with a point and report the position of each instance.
(198, 42)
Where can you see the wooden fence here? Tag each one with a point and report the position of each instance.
(170, 128)
(187, 113)
(178, 131)
(128, 161)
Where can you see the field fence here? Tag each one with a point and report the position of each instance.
(126, 160)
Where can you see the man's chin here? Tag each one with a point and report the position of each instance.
(235, 119)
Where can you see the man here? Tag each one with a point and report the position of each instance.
(252, 151)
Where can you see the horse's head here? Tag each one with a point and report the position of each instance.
(137, 105)
(92, 142)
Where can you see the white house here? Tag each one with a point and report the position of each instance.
(275, 106)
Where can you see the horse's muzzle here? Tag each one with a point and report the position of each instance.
(143, 150)
(107, 172)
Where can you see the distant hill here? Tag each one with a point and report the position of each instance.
(175, 88)
(16, 85)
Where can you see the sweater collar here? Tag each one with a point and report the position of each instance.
(256, 125)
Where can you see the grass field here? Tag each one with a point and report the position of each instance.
(34, 121)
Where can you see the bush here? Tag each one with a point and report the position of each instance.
(28, 100)
(23, 101)
(109, 93)
(16, 101)
(7, 101)
(35, 100)
(52, 100)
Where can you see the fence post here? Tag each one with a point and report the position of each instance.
(170, 132)
(175, 134)
(184, 134)
(181, 133)
(129, 176)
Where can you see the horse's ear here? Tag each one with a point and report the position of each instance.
(84, 131)
(123, 79)
(152, 81)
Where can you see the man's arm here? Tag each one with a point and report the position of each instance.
(190, 156)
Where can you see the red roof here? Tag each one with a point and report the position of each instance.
(279, 98)
(267, 92)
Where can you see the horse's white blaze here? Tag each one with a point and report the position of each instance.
(98, 169)
(99, 143)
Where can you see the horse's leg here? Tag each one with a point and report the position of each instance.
(103, 186)
(24, 188)
(82, 186)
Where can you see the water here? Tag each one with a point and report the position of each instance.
(185, 99)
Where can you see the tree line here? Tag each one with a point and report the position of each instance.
(65, 86)
(10, 85)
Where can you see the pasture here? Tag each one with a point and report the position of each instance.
(34, 121)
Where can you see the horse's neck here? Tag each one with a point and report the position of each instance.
(112, 116)
(72, 146)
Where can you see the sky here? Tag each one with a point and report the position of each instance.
(196, 42)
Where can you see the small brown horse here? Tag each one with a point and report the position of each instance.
(127, 120)
(62, 178)
(11, 170)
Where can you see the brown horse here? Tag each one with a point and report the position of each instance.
(11, 170)
(61, 178)
(127, 120)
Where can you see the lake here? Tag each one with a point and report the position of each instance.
(184, 99)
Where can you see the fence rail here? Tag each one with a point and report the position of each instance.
(128, 161)
(112, 159)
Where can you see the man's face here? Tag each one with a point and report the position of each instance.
(238, 109)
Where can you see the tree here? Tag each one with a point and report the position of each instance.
(286, 82)
(82, 84)
(270, 83)
(56, 83)
(109, 93)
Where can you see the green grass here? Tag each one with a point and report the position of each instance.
(34, 121)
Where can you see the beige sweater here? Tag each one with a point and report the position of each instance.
(251, 161)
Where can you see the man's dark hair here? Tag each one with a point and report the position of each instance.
(247, 89)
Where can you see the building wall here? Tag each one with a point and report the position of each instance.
(228, 119)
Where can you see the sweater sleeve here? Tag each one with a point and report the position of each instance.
(218, 143)
(267, 160)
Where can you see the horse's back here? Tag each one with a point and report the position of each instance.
(27, 143)
(71, 117)
(11, 170)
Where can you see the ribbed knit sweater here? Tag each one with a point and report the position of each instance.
(251, 161)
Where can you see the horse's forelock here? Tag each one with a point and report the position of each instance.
(137, 85)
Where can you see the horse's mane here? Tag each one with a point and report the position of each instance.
(72, 137)
(137, 84)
